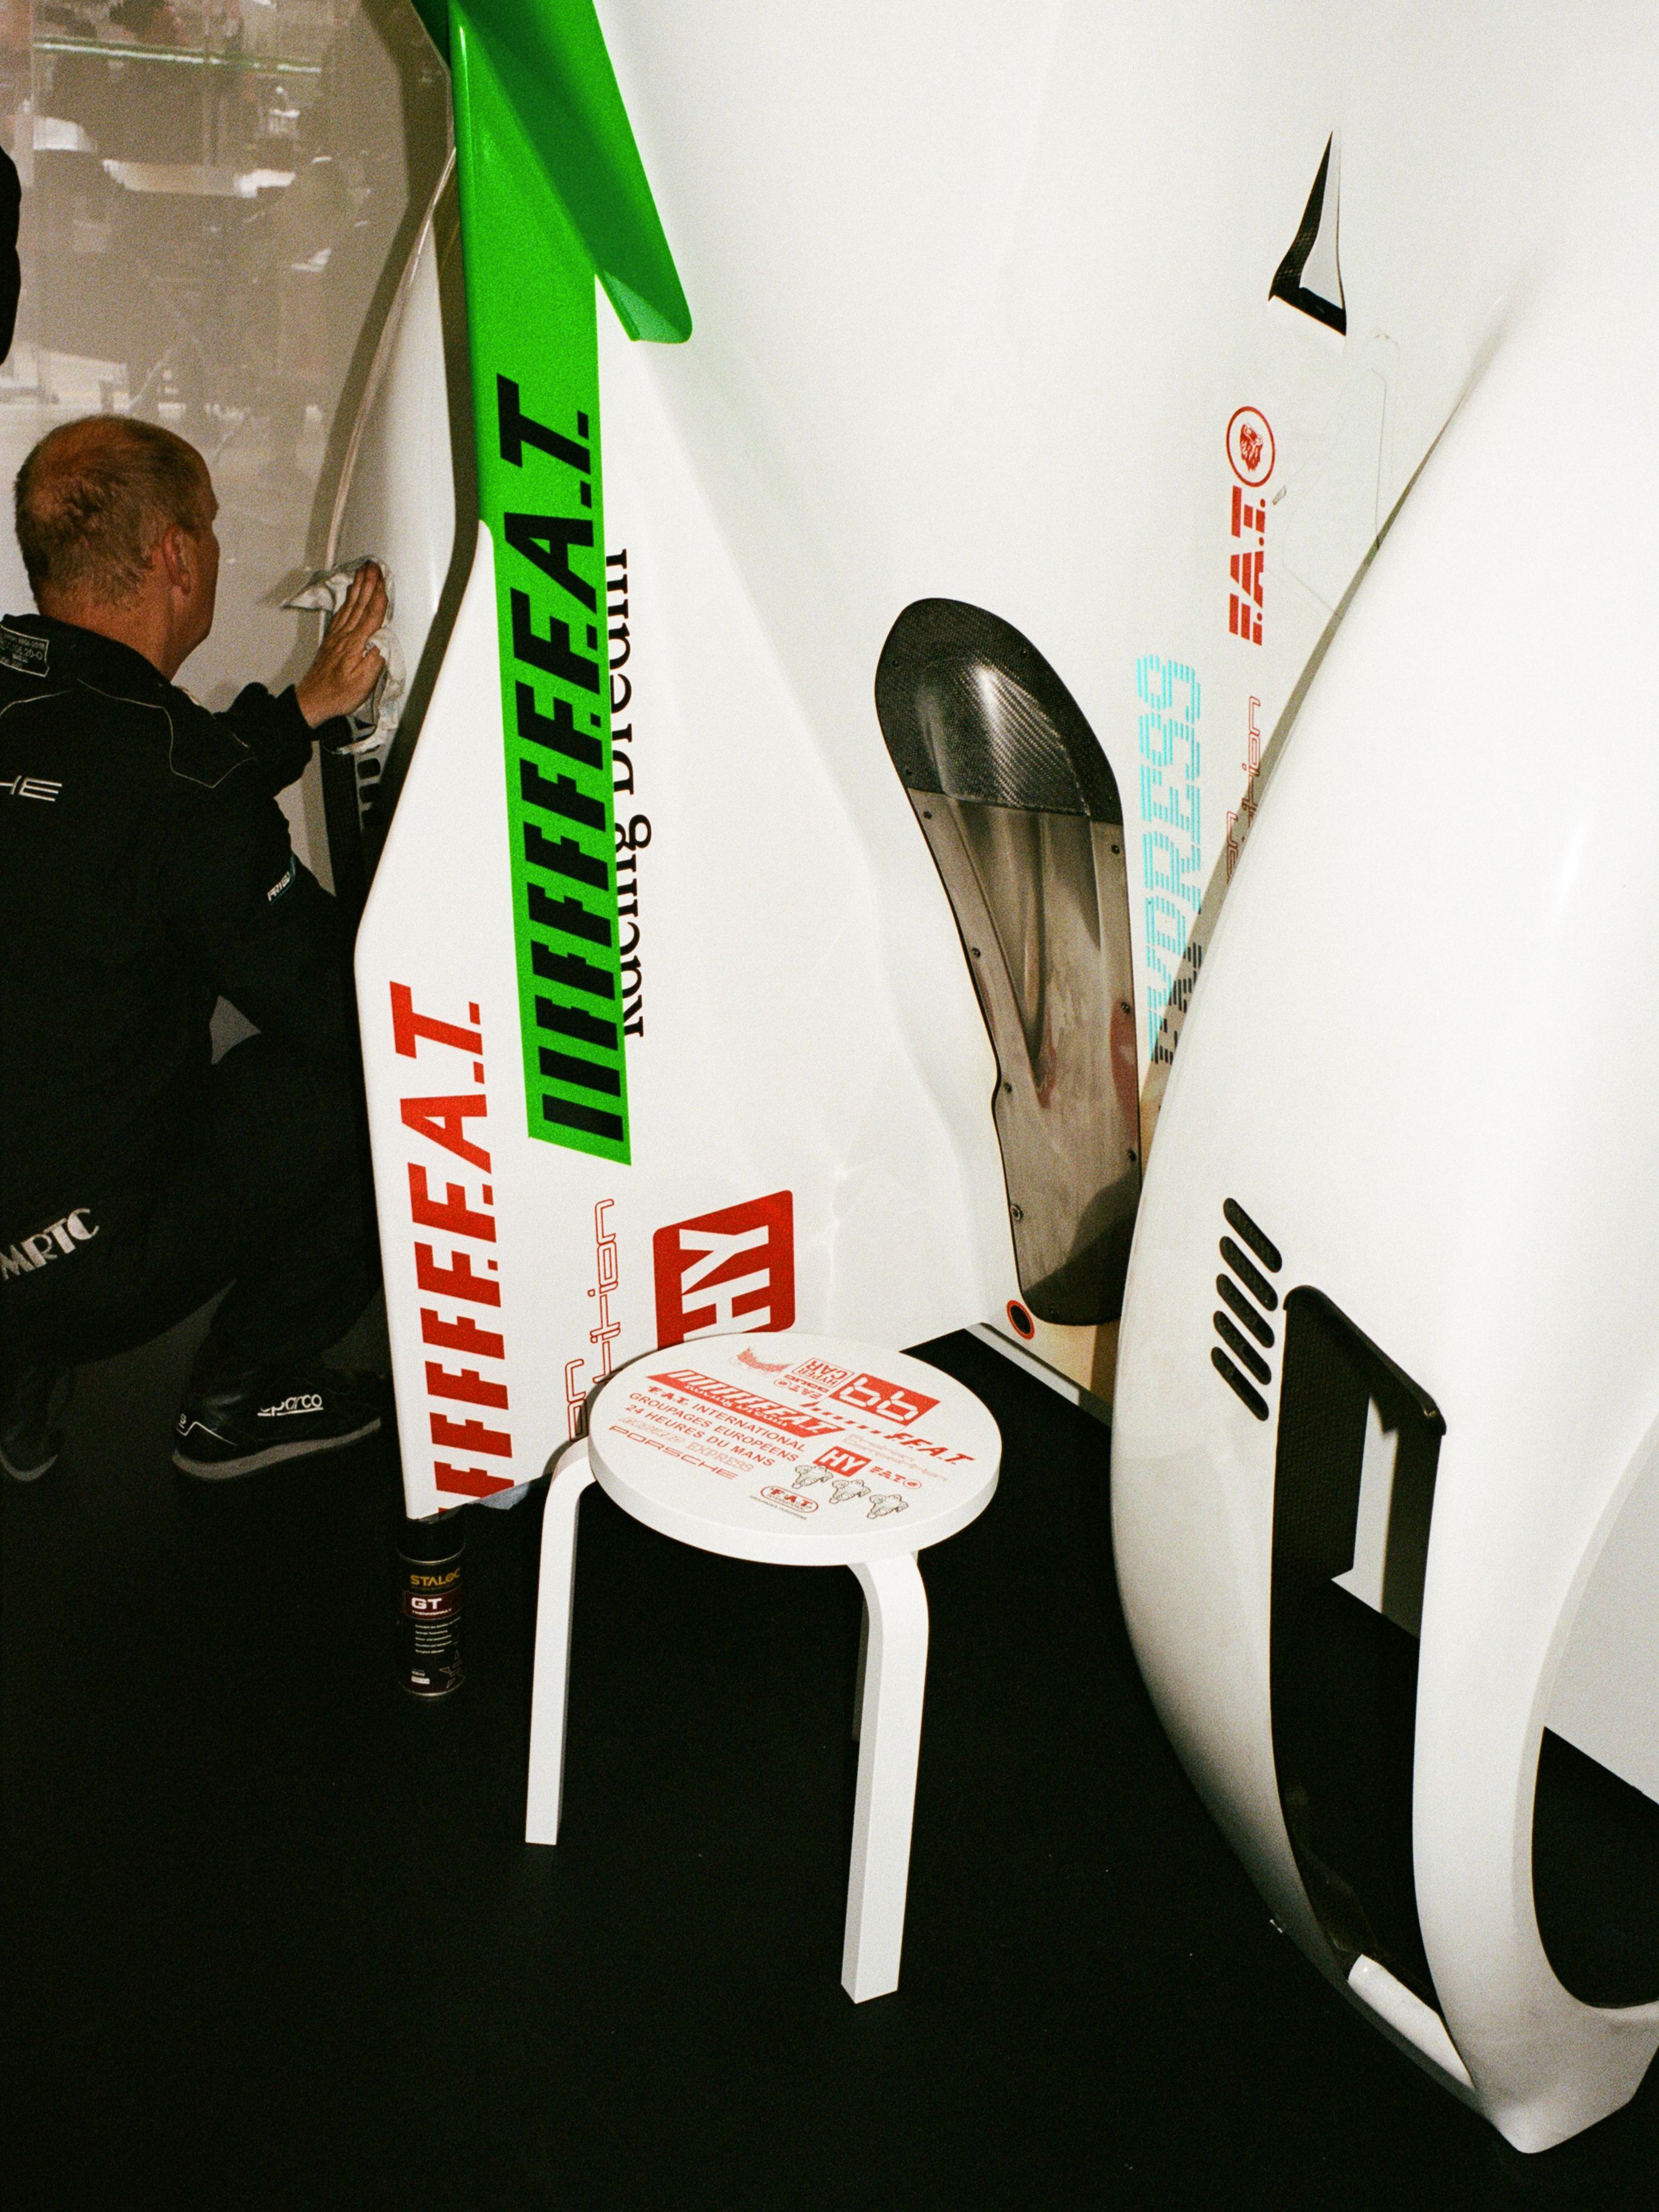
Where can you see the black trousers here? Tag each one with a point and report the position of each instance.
(264, 1186)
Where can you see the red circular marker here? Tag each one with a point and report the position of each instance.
(1250, 446)
(1020, 1320)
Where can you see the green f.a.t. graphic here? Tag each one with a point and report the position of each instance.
(553, 198)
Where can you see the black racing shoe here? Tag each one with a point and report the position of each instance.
(32, 1403)
(275, 1414)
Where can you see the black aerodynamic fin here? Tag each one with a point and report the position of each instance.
(1309, 277)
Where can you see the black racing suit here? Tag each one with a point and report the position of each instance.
(145, 871)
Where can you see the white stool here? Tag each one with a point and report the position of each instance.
(802, 1451)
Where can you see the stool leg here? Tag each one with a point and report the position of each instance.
(552, 1662)
(889, 1743)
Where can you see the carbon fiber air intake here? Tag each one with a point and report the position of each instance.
(1021, 813)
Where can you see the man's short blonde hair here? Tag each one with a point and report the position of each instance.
(94, 498)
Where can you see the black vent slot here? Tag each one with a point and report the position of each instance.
(1236, 1383)
(1248, 1358)
(1596, 1878)
(1250, 1275)
(1241, 1358)
(1262, 1245)
(1353, 1488)
(1259, 1327)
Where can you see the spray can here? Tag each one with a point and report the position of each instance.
(430, 1605)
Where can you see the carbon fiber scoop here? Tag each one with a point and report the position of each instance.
(1022, 816)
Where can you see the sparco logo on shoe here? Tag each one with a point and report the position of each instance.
(51, 1243)
(302, 1401)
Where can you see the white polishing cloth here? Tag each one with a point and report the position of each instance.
(372, 724)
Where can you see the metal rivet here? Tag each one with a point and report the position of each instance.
(974, 948)
(1016, 1212)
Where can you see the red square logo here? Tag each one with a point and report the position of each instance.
(839, 1461)
(731, 1270)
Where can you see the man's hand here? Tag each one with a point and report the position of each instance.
(347, 668)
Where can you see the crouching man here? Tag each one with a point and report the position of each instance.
(145, 872)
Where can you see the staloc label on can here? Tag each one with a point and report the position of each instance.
(430, 1605)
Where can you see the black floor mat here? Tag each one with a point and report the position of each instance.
(273, 1939)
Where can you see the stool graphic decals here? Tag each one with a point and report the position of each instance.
(836, 1460)
(762, 1366)
(735, 1399)
(665, 1446)
(786, 1501)
(840, 1469)
(888, 1398)
(712, 1426)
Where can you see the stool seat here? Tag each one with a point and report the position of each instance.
(789, 1449)
(796, 1450)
